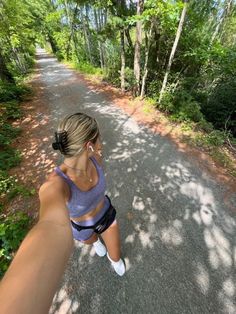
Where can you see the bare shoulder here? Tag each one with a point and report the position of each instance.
(52, 195)
(53, 183)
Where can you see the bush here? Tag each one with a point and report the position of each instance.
(9, 158)
(87, 68)
(167, 102)
(186, 107)
(129, 79)
(221, 105)
(10, 91)
(12, 231)
(216, 138)
(6, 183)
(11, 110)
(8, 133)
(204, 126)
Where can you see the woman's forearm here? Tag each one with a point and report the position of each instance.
(32, 279)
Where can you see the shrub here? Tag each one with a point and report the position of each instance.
(204, 126)
(11, 110)
(10, 91)
(9, 158)
(87, 68)
(12, 231)
(6, 183)
(8, 133)
(167, 102)
(129, 79)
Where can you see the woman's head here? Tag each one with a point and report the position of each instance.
(74, 132)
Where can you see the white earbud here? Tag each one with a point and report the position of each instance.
(91, 148)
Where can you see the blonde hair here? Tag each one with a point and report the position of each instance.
(79, 129)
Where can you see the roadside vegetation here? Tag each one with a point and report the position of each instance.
(16, 63)
(178, 55)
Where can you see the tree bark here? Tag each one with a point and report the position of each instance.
(52, 43)
(145, 70)
(86, 38)
(122, 54)
(137, 49)
(71, 22)
(127, 34)
(100, 46)
(225, 13)
(171, 58)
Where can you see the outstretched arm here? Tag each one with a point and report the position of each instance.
(32, 278)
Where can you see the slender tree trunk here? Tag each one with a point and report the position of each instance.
(101, 52)
(127, 34)
(86, 38)
(147, 49)
(225, 13)
(5, 75)
(137, 49)
(72, 36)
(52, 43)
(171, 58)
(122, 54)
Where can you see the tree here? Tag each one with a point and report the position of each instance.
(137, 49)
(172, 54)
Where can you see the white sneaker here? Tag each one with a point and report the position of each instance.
(119, 266)
(100, 249)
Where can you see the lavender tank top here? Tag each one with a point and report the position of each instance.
(81, 202)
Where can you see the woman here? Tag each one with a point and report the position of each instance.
(81, 180)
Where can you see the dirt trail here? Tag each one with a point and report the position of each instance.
(177, 222)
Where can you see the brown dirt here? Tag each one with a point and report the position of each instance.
(33, 135)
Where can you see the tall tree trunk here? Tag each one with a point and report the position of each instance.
(171, 58)
(100, 47)
(137, 49)
(127, 34)
(145, 69)
(72, 36)
(5, 75)
(225, 13)
(86, 37)
(122, 55)
(52, 43)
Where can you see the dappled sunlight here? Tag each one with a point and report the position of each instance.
(177, 234)
(172, 235)
(202, 277)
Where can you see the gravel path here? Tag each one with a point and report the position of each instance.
(178, 235)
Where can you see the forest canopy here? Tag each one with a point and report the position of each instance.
(182, 54)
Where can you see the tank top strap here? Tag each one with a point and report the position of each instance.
(94, 160)
(63, 175)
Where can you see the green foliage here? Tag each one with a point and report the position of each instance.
(8, 133)
(221, 106)
(167, 103)
(129, 79)
(6, 183)
(13, 229)
(9, 158)
(215, 138)
(20, 190)
(10, 91)
(186, 108)
(204, 126)
(87, 68)
(11, 110)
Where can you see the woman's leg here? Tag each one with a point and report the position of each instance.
(91, 240)
(111, 237)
